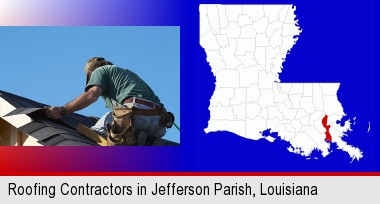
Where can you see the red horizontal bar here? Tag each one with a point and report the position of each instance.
(190, 174)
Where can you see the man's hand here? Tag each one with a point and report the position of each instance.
(53, 112)
(80, 102)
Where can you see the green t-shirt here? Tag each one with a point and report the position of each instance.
(120, 84)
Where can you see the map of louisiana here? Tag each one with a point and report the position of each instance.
(246, 47)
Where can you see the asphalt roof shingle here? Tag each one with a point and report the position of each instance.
(46, 131)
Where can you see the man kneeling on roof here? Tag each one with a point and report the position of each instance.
(116, 86)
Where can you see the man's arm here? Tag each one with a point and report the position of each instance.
(80, 102)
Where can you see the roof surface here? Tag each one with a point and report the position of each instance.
(52, 132)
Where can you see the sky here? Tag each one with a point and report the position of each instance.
(46, 64)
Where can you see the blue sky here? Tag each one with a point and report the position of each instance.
(46, 64)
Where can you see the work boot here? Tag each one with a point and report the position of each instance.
(142, 137)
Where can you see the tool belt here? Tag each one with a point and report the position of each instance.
(167, 118)
(121, 132)
(148, 103)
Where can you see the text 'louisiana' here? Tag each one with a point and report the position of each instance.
(285, 189)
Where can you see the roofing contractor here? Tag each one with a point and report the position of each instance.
(143, 115)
